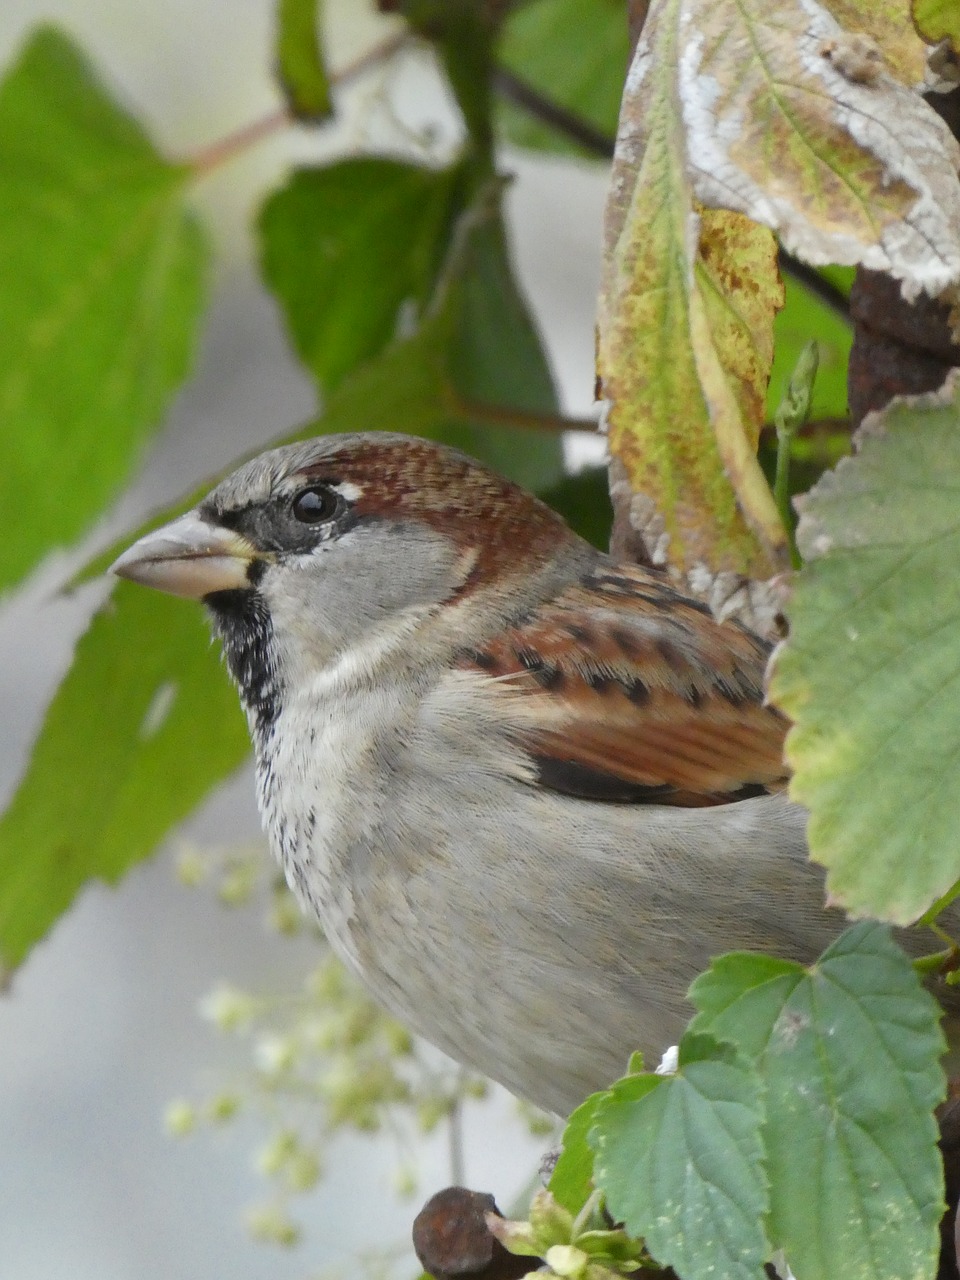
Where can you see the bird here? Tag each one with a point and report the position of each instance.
(528, 791)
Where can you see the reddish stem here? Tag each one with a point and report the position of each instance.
(233, 144)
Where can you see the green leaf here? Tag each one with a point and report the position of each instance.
(584, 502)
(352, 252)
(411, 388)
(680, 1162)
(101, 288)
(463, 32)
(300, 60)
(938, 20)
(493, 354)
(475, 359)
(848, 1051)
(571, 1182)
(141, 728)
(543, 43)
(868, 672)
(456, 378)
(122, 792)
(765, 977)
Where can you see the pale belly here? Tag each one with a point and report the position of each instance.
(537, 938)
(542, 963)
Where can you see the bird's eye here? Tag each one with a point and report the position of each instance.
(314, 505)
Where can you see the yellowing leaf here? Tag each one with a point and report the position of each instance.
(888, 23)
(685, 333)
(869, 673)
(778, 113)
(737, 294)
(787, 121)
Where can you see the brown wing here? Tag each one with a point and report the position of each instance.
(642, 695)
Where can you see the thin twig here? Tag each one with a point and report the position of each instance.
(372, 57)
(248, 135)
(455, 1136)
(937, 963)
(496, 415)
(233, 144)
(513, 89)
(828, 293)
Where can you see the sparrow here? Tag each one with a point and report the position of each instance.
(529, 792)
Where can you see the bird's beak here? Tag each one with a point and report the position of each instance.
(188, 557)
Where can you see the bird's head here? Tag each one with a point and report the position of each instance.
(351, 543)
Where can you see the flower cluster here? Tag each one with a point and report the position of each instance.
(322, 1059)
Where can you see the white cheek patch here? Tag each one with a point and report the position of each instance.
(329, 539)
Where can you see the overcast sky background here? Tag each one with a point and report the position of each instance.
(100, 1029)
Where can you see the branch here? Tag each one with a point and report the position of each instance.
(496, 415)
(522, 94)
(233, 144)
(827, 293)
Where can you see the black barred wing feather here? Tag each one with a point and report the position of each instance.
(644, 696)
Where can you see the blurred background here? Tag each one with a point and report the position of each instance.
(100, 1029)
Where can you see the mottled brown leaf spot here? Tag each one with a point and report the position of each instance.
(855, 56)
(888, 23)
(844, 190)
